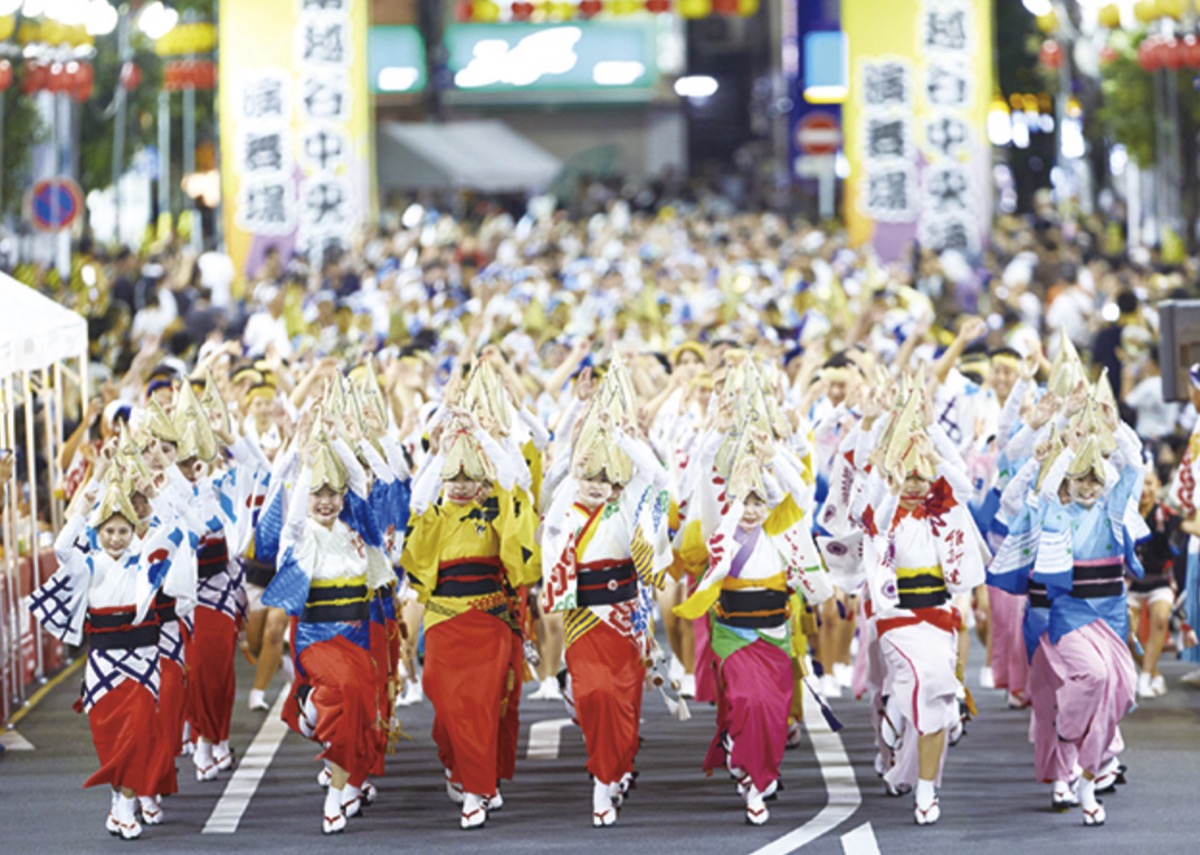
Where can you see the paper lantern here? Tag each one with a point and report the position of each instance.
(1051, 54)
(1047, 23)
(1171, 9)
(6, 75)
(1108, 55)
(131, 76)
(747, 8)
(725, 7)
(8, 26)
(590, 8)
(1146, 57)
(1109, 16)
(522, 10)
(620, 8)
(1145, 11)
(85, 82)
(658, 7)
(1175, 54)
(36, 77)
(1191, 49)
(463, 11)
(57, 81)
(485, 11)
(561, 10)
(693, 9)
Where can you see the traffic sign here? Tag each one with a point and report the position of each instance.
(818, 133)
(55, 204)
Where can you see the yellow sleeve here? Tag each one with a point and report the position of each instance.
(533, 459)
(785, 515)
(420, 559)
(516, 525)
(692, 557)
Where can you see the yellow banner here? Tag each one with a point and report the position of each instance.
(295, 119)
(915, 124)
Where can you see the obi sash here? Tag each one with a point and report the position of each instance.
(605, 583)
(111, 629)
(338, 602)
(468, 577)
(920, 587)
(1102, 577)
(212, 556)
(752, 609)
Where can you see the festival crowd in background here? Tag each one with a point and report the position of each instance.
(649, 440)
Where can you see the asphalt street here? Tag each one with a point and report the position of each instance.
(990, 803)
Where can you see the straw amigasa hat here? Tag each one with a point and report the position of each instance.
(464, 456)
(1089, 460)
(115, 500)
(596, 453)
(196, 438)
(1057, 446)
(214, 404)
(485, 398)
(159, 425)
(746, 470)
(365, 383)
(906, 451)
(1066, 370)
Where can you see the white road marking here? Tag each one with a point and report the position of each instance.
(13, 741)
(241, 787)
(544, 739)
(860, 841)
(844, 795)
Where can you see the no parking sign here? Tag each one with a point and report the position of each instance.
(55, 203)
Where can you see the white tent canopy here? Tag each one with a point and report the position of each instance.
(478, 155)
(35, 331)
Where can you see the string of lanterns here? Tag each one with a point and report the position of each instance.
(1156, 51)
(188, 40)
(553, 11)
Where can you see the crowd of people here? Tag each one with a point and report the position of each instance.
(478, 452)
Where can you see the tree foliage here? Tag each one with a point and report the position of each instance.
(1127, 112)
(99, 117)
(23, 129)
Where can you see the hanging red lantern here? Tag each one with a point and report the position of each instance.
(131, 76)
(6, 75)
(210, 75)
(464, 11)
(1147, 57)
(522, 10)
(35, 78)
(1050, 55)
(590, 8)
(70, 77)
(58, 78)
(1108, 55)
(85, 82)
(1174, 54)
(725, 7)
(1162, 51)
(658, 7)
(1191, 51)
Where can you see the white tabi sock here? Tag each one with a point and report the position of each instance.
(925, 794)
(1087, 795)
(333, 802)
